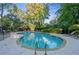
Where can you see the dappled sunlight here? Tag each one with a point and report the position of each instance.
(31, 36)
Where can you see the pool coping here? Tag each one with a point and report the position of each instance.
(43, 49)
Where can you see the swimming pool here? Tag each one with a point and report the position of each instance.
(40, 40)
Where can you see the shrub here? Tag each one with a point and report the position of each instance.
(31, 26)
(74, 27)
(52, 30)
(56, 30)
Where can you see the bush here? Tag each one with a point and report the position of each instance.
(74, 27)
(31, 26)
(52, 30)
(56, 30)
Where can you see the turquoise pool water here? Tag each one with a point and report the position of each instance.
(40, 40)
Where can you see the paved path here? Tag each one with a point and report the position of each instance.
(9, 47)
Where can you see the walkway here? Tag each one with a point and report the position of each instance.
(9, 47)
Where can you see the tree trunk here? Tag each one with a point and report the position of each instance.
(65, 30)
(2, 6)
(1, 13)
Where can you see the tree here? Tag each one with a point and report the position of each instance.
(68, 15)
(37, 12)
(18, 12)
(3, 7)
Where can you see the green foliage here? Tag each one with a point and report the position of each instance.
(4, 7)
(68, 15)
(6, 23)
(74, 27)
(16, 24)
(37, 12)
(52, 30)
(31, 26)
(24, 26)
(56, 30)
(11, 24)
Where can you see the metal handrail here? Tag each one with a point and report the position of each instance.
(36, 46)
(45, 49)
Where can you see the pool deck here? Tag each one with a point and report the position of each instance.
(9, 46)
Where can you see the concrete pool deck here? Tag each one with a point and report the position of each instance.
(9, 46)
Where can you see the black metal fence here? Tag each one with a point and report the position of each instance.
(3, 34)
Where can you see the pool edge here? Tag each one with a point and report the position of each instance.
(63, 45)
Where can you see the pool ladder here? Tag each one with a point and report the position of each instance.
(36, 45)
